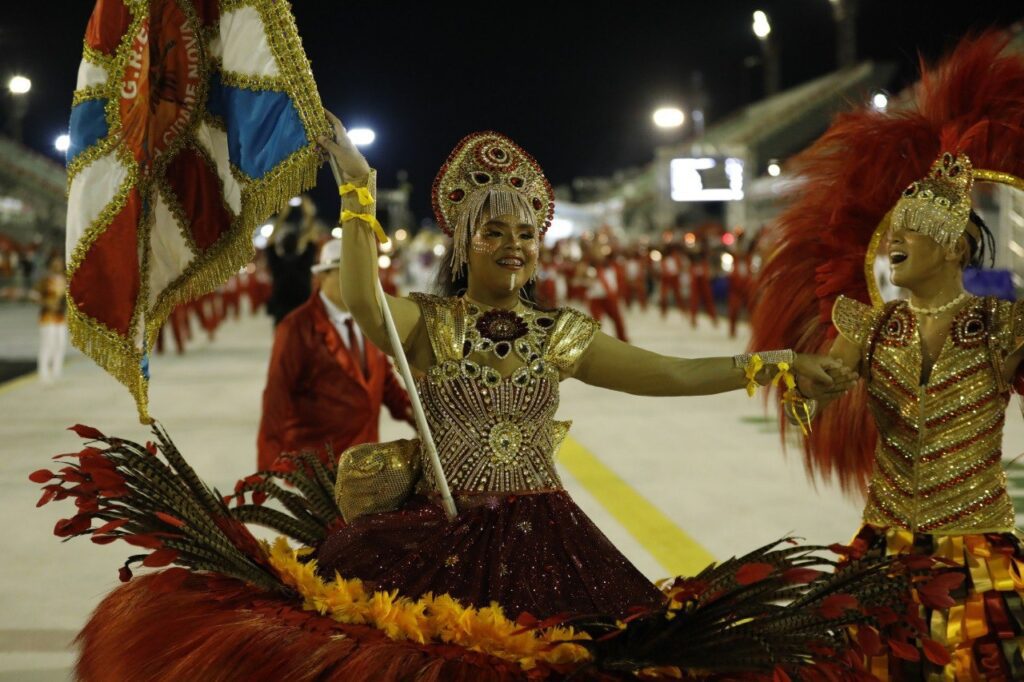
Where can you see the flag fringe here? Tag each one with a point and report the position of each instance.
(113, 352)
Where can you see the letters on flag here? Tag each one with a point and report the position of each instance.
(192, 121)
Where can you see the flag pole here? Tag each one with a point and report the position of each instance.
(426, 438)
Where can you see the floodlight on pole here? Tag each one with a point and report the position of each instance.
(762, 28)
(669, 117)
(19, 85)
(361, 137)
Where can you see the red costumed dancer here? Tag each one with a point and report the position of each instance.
(701, 295)
(326, 383)
(635, 270)
(603, 291)
(922, 433)
(671, 269)
(740, 279)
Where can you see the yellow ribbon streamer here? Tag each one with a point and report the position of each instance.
(369, 219)
(792, 398)
(938, 626)
(950, 547)
(898, 541)
(954, 625)
(362, 193)
(974, 617)
(999, 569)
(978, 552)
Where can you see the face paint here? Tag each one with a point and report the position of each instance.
(480, 244)
(512, 282)
(531, 248)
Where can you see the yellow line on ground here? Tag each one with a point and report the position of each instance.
(16, 383)
(670, 545)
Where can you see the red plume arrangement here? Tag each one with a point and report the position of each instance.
(971, 102)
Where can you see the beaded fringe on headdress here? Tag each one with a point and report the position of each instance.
(497, 202)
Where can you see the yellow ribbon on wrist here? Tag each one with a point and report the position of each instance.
(369, 219)
(753, 368)
(792, 399)
(362, 193)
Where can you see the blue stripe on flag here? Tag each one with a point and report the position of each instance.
(88, 126)
(264, 127)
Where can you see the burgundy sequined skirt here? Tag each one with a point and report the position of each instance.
(535, 552)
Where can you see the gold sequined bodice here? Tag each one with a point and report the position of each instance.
(938, 465)
(495, 432)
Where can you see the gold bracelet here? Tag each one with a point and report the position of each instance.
(768, 357)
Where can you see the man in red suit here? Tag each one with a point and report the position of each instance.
(326, 382)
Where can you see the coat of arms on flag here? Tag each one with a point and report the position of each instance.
(192, 121)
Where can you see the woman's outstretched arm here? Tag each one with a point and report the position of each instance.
(610, 363)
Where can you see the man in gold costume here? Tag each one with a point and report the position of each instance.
(921, 435)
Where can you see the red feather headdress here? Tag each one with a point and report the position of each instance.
(971, 103)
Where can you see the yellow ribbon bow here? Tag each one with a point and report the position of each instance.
(754, 366)
(362, 193)
(369, 219)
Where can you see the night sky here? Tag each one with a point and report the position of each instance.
(574, 83)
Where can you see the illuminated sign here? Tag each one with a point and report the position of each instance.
(706, 179)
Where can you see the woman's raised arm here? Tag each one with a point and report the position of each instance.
(359, 249)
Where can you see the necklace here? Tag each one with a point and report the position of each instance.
(518, 310)
(501, 332)
(931, 312)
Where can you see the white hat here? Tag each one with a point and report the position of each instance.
(330, 256)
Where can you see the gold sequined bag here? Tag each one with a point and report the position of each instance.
(376, 477)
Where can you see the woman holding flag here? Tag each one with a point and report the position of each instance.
(491, 364)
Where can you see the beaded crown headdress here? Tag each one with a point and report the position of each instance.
(939, 204)
(487, 168)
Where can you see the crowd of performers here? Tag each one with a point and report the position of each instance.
(683, 270)
(904, 399)
(701, 270)
(250, 288)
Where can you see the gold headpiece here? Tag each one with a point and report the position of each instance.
(938, 205)
(489, 168)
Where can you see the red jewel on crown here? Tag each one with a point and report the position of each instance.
(501, 325)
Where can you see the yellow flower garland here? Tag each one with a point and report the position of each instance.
(428, 619)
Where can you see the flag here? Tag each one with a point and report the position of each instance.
(192, 121)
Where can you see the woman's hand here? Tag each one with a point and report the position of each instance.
(820, 377)
(350, 160)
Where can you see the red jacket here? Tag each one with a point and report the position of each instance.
(316, 394)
